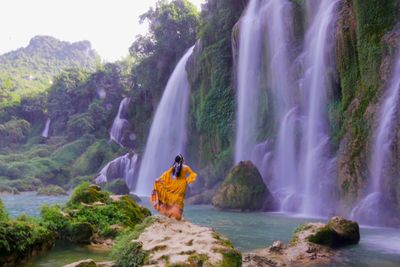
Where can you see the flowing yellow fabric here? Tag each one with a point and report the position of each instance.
(171, 191)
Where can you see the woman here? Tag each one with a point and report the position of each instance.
(169, 190)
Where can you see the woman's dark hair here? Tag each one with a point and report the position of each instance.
(177, 166)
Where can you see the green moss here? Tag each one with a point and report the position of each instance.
(86, 193)
(3, 212)
(324, 236)
(51, 190)
(127, 253)
(231, 258)
(20, 237)
(95, 156)
(243, 189)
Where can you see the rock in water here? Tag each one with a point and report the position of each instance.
(243, 189)
(311, 244)
(336, 233)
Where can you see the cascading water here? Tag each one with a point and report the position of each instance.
(45, 132)
(281, 83)
(119, 124)
(300, 150)
(121, 167)
(315, 86)
(369, 209)
(248, 73)
(167, 136)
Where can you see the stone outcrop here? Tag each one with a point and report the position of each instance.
(312, 244)
(91, 263)
(243, 189)
(168, 242)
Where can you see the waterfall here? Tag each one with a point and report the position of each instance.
(315, 86)
(121, 167)
(370, 209)
(384, 134)
(45, 132)
(119, 124)
(299, 155)
(248, 70)
(167, 136)
(283, 90)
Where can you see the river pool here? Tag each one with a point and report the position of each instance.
(247, 231)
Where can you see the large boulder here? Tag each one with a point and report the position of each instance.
(336, 233)
(243, 189)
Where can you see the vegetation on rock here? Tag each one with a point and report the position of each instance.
(243, 189)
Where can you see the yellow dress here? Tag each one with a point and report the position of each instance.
(170, 191)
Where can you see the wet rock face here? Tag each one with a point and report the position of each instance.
(243, 189)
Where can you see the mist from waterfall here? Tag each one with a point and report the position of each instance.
(45, 132)
(117, 129)
(298, 86)
(369, 210)
(168, 131)
(315, 86)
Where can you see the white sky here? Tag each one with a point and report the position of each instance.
(110, 25)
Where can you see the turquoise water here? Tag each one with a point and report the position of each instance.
(247, 231)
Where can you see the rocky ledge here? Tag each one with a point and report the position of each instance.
(312, 244)
(167, 242)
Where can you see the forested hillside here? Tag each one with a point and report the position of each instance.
(31, 70)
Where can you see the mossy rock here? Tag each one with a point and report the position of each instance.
(88, 194)
(117, 187)
(338, 232)
(5, 189)
(80, 232)
(51, 190)
(242, 189)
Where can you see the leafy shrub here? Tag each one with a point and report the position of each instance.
(14, 131)
(51, 190)
(86, 193)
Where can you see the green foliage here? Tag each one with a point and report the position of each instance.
(83, 216)
(51, 190)
(213, 100)
(95, 156)
(3, 212)
(127, 253)
(79, 124)
(14, 131)
(20, 236)
(28, 71)
(88, 194)
(68, 153)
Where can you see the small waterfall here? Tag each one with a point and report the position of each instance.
(315, 85)
(370, 209)
(119, 124)
(167, 136)
(45, 132)
(384, 134)
(248, 72)
(121, 167)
